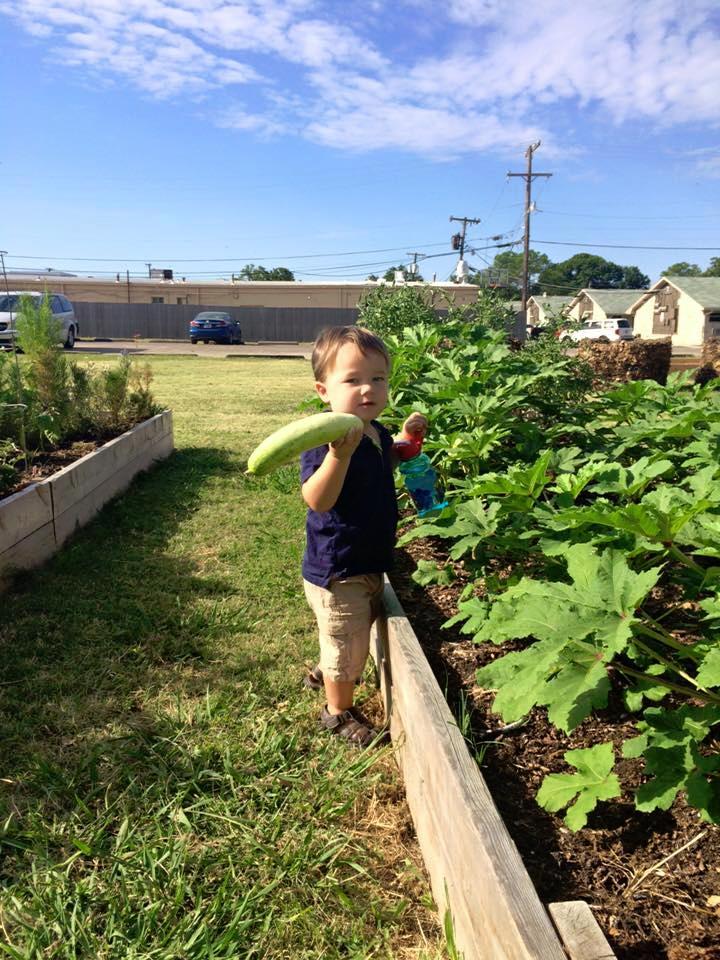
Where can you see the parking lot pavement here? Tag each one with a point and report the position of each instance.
(262, 348)
(185, 348)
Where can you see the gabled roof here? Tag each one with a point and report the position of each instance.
(553, 304)
(703, 290)
(613, 302)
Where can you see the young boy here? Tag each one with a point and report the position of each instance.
(351, 521)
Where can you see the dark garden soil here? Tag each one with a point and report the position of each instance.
(45, 464)
(648, 910)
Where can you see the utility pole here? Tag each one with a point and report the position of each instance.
(3, 254)
(412, 269)
(149, 266)
(458, 242)
(461, 243)
(528, 177)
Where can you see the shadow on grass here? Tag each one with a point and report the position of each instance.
(116, 616)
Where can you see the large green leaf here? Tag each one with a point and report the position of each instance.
(600, 602)
(580, 687)
(579, 626)
(629, 481)
(670, 744)
(646, 689)
(708, 674)
(428, 572)
(593, 782)
(519, 677)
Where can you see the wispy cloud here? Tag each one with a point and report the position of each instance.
(490, 80)
(237, 118)
(705, 161)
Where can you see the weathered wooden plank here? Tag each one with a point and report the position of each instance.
(35, 522)
(73, 512)
(579, 931)
(77, 481)
(29, 552)
(473, 864)
(23, 513)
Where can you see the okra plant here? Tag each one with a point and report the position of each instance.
(602, 509)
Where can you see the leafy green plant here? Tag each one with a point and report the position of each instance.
(581, 791)
(48, 400)
(389, 309)
(603, 511)
(10, 456)
(36, 328)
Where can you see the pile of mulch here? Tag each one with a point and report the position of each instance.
(648, 910)
(45, 464)
(711, 353)
(628, 359)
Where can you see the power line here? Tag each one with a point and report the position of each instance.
(246, 258)
(608, 216)
(618, 246)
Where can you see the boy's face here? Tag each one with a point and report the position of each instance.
(356, 383)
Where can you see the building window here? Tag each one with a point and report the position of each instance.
(157, 299)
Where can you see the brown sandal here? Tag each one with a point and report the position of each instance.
(352, 726)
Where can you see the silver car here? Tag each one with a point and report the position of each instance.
(61, 308)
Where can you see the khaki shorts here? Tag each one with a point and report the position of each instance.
(344, 613)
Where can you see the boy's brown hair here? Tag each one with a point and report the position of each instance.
(331, 339)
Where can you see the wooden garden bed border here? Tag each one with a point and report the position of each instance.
(475, 869)
(35, 522)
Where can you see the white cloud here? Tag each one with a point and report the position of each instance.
(239, 119)
(650, 58)
(475, 75)
(705, 160)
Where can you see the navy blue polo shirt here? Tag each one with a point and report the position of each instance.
(358, 535)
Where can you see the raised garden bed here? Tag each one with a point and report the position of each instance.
(648, 909)
(477, 876)
(37, 520)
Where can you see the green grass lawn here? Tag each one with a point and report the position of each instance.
(164, 790)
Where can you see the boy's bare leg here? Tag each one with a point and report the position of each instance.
(339, 694)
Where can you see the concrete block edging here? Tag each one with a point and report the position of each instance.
(36, 521)
(475, 870)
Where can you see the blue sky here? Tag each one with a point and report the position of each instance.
(204, 134)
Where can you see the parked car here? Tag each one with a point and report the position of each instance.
(215, 326)
(604, 331)
(62, 311)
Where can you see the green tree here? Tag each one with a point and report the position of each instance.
(252, 272)
(588, 270)
(713, 269)
(634, 279)
(511, 262)
(682, 269)
(505, 272)
(389, 274)
(389, 309)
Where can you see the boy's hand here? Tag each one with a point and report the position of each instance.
(346, 446)
(416, 425)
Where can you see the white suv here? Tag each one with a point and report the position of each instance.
(61, 308)
(606, 331)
